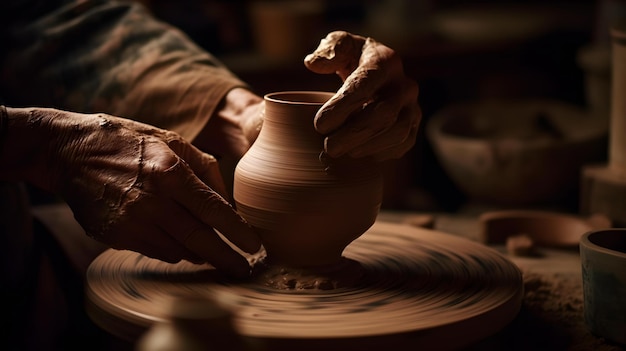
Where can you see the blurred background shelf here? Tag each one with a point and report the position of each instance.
(456, 52)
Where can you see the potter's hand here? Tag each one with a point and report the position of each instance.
(375, 112)
(133, 186)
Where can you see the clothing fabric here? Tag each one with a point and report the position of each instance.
(111, 57)
(89, 56)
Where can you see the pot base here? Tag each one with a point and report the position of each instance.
(344, 274)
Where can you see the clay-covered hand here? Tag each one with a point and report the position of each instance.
(133, 186)
(375, 112)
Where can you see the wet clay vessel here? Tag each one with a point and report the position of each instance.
(306, 208)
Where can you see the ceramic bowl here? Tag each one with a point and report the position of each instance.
(603, 259)
(516, 152)
(545, 228)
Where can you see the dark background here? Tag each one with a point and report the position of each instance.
(538, 62)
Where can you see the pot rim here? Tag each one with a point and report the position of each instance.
(299, 97)
(585, 242)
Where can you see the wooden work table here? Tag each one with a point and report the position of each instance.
(552, 310)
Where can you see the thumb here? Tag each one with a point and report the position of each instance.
(338, 53)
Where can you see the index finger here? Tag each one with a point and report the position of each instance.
(209, 207)
(361, 84)
(203, 165)
(203, 193)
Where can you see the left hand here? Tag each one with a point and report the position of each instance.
(134, 186)
(375, 112)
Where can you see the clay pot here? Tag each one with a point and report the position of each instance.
(306, 210)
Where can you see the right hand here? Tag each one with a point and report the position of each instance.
(375, 113)
(133, 186)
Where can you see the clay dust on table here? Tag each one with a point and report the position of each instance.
(552, 316)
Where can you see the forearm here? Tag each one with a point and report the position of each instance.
(234, 126)
(114, 57)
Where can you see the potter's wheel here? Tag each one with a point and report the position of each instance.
(420, 288)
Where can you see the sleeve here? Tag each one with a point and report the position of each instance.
(112, 57)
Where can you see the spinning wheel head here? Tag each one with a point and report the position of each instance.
(417, 286)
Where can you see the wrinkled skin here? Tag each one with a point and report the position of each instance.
(375, 112)
(137, 187)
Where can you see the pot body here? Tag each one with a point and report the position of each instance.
(305, 210)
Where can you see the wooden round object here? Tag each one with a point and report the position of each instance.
(419, 288)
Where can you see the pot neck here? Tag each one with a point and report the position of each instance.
(291, 125)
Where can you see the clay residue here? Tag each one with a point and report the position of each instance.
(552, 317)
(344, 274)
